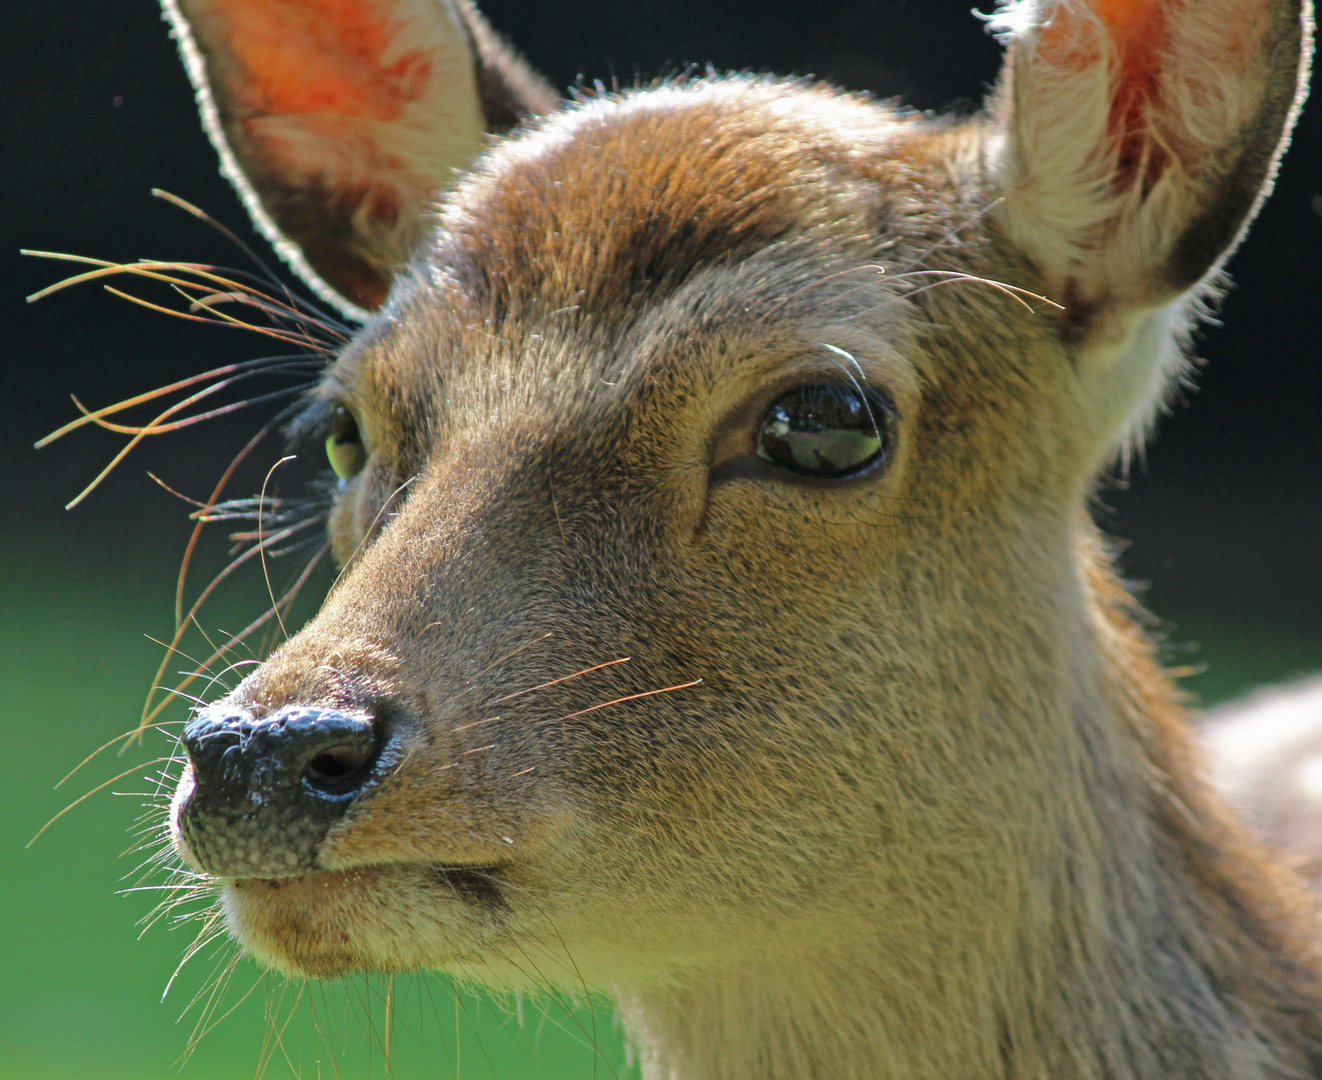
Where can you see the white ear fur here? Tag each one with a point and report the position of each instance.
(1123, 121)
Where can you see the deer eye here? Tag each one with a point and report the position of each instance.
(824, 429)
(344, 444)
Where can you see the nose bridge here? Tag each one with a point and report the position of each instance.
(465, 541)
(440, 593)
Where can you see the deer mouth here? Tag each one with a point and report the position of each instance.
(481, 885)
(391, 917)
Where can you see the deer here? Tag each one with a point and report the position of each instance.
(721, 619)
(1265, 756)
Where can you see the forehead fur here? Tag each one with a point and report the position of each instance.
(617, 201)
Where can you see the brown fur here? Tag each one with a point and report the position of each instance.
(889, 783)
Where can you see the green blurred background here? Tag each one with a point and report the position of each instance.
(1224, 517)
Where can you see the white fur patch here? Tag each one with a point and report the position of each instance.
(1265, 754)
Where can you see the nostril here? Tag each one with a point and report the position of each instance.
(339, 770)
(242, 761)
(333, 752)
(266, 788)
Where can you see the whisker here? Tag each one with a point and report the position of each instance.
(178, 652)
(177, 494)
(286, 600)
(99, 749)
(156, 270)
(261, 544)
(628, 697)
(84, 798)
(587, 996)
(205, 1025)
(225, 231)
(950, 277)
(197, 418)
(241, 367)
(148, 429)
(386, 506)
(201, 274)
(200, 702)
(207, 934)
(563, 678)
(297, 306)
(877, 268)
(196, 534)
(514, 652)
(951, 233)
(323, 1032)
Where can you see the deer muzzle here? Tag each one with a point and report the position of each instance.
(261, 793)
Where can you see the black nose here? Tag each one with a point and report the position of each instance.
(265, 791)
(236, 757)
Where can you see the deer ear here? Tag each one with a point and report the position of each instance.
(338, 121)
(1138, 137)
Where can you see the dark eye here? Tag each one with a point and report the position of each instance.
(824, 429)
(344, 444)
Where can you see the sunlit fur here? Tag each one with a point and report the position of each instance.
(851, 779)
(374, 139)
(1266, 754)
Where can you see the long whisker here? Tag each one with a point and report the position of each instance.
(225, 231)
(150, 711)
(148, 429)
(166, 273)
(202, 417)
(582, 982)
(951, 277)
(951, 233)
(151, 395)
(205, 1025)
(262, 544)
(105, 746)
(214, 316)
(288, 324)
(285, 602)
(386, 506)
(205, 936)
(295, 305)
(196, 534)
(514, 652)
(628, 697)
(84, 798)
(876, 268)
(563, 678)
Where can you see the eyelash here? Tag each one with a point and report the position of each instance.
(308, 430)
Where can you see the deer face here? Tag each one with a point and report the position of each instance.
(576, 473)
(710, 485)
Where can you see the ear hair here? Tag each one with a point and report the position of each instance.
(1138, 137)
(337, 122)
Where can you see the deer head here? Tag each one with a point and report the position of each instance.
(720, 616)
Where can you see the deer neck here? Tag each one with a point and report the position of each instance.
(1123, 943)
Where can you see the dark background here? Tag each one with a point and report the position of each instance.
(1224, 514)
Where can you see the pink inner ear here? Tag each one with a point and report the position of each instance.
(319, 56)
(1139, 31)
